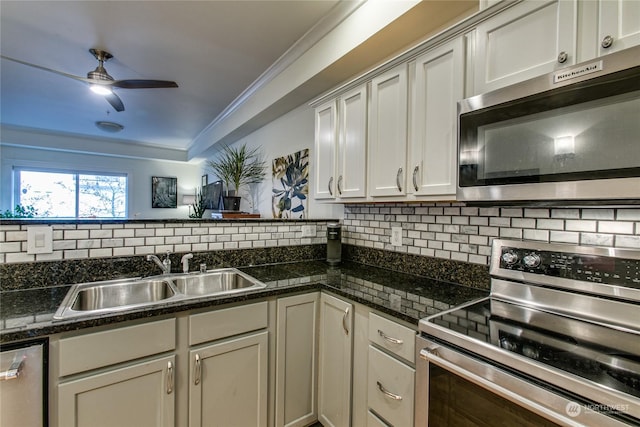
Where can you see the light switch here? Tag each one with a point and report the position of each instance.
(39, 240)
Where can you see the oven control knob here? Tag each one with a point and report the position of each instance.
(532, 260)
(510, 258)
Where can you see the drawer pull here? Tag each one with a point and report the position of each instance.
(169, 377)
(387, 392)
(390, 339)
(197, 371)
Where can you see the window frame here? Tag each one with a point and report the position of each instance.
(17, 170)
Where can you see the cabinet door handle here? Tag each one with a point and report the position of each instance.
(387, 392)
(197, 372)
(344, 321)
(415, 177)
(339, 185)
(330, 185)
(607, 42)
(169, 377)
(390, 339)
(398, 176)
(562, 57)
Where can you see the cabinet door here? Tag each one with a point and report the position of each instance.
(388, 133)
(352, 144)
(334, 382)
(620, 20)
(228, 383)
(296, 360)
(439, 81)
(325, 150)
(138, 395)
(524, 41)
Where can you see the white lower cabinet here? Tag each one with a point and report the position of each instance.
(391, 372)
(207, 368)
(296, 360)
(115, 377)
(334, 382)
(139, 395)
(229, 383)
(390, 388)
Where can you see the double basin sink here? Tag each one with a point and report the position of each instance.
(85, 299)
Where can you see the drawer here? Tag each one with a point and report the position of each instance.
(388, 374)
(392, 336)
(84, 352)
(227, 322)
(374, 421)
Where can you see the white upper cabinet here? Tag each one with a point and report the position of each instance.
(437, 86)
(388, 133)
(352, 144)
(619, 25)
(341, 146)
(325, 150)
(527, 40)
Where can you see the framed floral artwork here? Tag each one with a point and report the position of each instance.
(289, 198)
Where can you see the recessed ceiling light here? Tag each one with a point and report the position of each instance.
(110, 127)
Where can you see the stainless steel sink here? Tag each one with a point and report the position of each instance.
(87, 299)
(122, 294)
(113, 295)
(225, 280)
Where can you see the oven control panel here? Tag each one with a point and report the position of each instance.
(574, 266)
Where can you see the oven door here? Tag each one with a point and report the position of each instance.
(454, 388)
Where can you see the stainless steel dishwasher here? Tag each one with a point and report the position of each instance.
(23, 380)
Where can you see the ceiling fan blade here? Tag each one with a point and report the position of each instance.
(143, 84)
(115, 101)
(82, 79)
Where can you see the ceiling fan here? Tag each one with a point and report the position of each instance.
(101, 82)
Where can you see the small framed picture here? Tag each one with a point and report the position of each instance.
(164, 192)
(204, 181)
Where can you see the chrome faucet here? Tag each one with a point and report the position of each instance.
(185, 262)
(165, 264)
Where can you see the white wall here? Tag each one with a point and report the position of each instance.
(139, 172)
(286, 135)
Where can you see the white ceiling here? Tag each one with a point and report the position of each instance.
(219, 52)
(214, 50)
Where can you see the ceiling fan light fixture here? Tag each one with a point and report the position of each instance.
(111, 127)
(101, 89)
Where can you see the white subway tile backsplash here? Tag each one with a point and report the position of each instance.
(628, 214)
(616, 227)
(472, 229)
(632, 242)
(596, 239)
(598, 214)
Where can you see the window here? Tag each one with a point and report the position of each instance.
(65, 194)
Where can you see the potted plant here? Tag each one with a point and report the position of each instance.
(198, 205)
(237, 166)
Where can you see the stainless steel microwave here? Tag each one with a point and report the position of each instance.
(570, 136)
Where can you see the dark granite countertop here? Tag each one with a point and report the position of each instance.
(26, 314)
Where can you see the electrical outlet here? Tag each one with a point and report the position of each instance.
(308, 231)
(396, 236)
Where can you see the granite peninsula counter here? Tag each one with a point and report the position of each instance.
(28, 313)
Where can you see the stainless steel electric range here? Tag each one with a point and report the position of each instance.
(556, 343)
